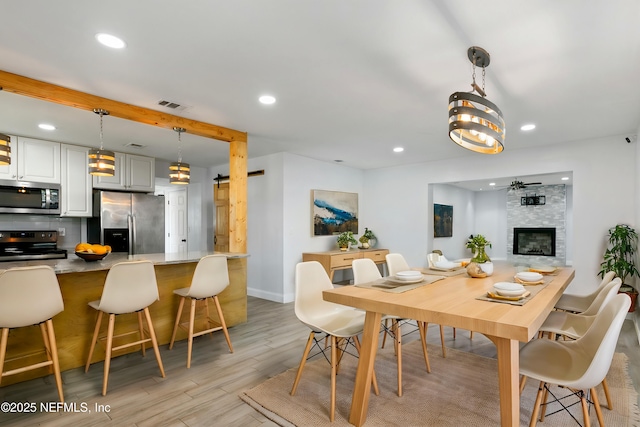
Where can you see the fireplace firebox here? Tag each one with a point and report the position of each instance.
(534, 241)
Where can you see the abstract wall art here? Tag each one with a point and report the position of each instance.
(442, 220)
(334, 212)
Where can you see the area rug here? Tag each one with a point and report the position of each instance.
(461, 390)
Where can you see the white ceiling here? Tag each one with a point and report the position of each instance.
(353, 79)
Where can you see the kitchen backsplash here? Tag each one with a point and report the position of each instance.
(72, 227)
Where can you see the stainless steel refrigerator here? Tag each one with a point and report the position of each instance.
(128, 222)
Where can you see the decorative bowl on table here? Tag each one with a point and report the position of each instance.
(509, 289)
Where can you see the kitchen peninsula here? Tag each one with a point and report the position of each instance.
(82, 282)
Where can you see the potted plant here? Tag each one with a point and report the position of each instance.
(344, 239)
(620, 257)
(477, 244)
(366, 237)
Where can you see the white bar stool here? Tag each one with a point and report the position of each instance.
(210, 278)
(31, 296)
(130, 287)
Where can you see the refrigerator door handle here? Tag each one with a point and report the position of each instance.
(131, 224)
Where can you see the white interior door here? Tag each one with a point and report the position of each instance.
(177, 201)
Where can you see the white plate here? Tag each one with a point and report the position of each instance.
(505, 293)
(542, 268)
(447, 265)
(508, 286)
(529, 276)
(408, 274)
(405, 281)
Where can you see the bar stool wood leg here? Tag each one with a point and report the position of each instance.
(223, 323)
(154, 340)
(192, 320)
(53, 348)
(175, 326)
(3, 350)
(94, 339)
(141, 328)
(107, 357)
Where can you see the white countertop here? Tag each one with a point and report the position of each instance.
(74, 264)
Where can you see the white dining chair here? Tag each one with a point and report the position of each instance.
(365, 271)
(31, 296)
(340, 323)
(579, 303)
(130, 287)
(579, 365)
(210, 278)
(396, 263)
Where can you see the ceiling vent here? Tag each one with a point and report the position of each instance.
(175, 106)
(134, 145)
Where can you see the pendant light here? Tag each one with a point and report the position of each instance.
(476, 123)
(179, 172)
(101, 162)
(5, 149)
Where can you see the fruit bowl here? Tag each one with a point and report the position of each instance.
(91, 256)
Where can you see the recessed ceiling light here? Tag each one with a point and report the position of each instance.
(565, 178)
(527, 127)
(491, 184)
(46, 126)
(267, 99)
(110, 41)
(398, 150)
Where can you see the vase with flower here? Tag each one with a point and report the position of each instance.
(478, 244)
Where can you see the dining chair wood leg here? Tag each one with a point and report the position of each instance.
(444, 349)
(223, 323)
(384, 335)
(543, 405)
(422, 328)
(154, 340)
(94, 339)
(605, 387)
(305, 354)
(454, 333)
(53, 348)
(523, 382)
(596, 405)
(334, 369)
(192, 319)
(107, 357)
(536, 405)
(398, 334)
(3, 349)
(141, 328)
(585, 411)
(175, 326)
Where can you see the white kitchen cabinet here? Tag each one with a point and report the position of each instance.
(33, 160)
(133, 173)
(76, 183)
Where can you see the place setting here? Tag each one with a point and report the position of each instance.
(516, 293)
(402, 281)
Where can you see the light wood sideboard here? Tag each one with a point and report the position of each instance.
(341, 260)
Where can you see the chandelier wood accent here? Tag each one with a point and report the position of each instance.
(5, 149)
(476, 123)
(179, 172)
(102, 162)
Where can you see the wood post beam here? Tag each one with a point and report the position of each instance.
(238, 196)
(26, 86)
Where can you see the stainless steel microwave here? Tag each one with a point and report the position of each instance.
(29, 197)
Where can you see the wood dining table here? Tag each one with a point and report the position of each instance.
(453, 301)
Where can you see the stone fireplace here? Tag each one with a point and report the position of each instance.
(534, 241)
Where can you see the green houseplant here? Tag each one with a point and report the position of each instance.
(477, 244)
(344, 239)
(620, 257)
(366, 237)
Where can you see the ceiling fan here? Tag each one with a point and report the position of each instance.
(519, 185)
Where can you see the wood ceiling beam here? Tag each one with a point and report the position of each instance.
(26, 86)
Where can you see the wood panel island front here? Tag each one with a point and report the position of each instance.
(82, 282)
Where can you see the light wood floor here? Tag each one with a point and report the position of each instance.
(207, 394)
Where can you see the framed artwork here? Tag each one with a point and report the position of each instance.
(442, 220)
(334, 212)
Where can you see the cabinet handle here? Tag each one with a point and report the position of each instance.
(347, 258)
(13, 176)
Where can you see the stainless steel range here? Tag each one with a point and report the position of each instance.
(30, 245)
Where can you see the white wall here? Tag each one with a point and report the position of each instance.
(603, 180)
